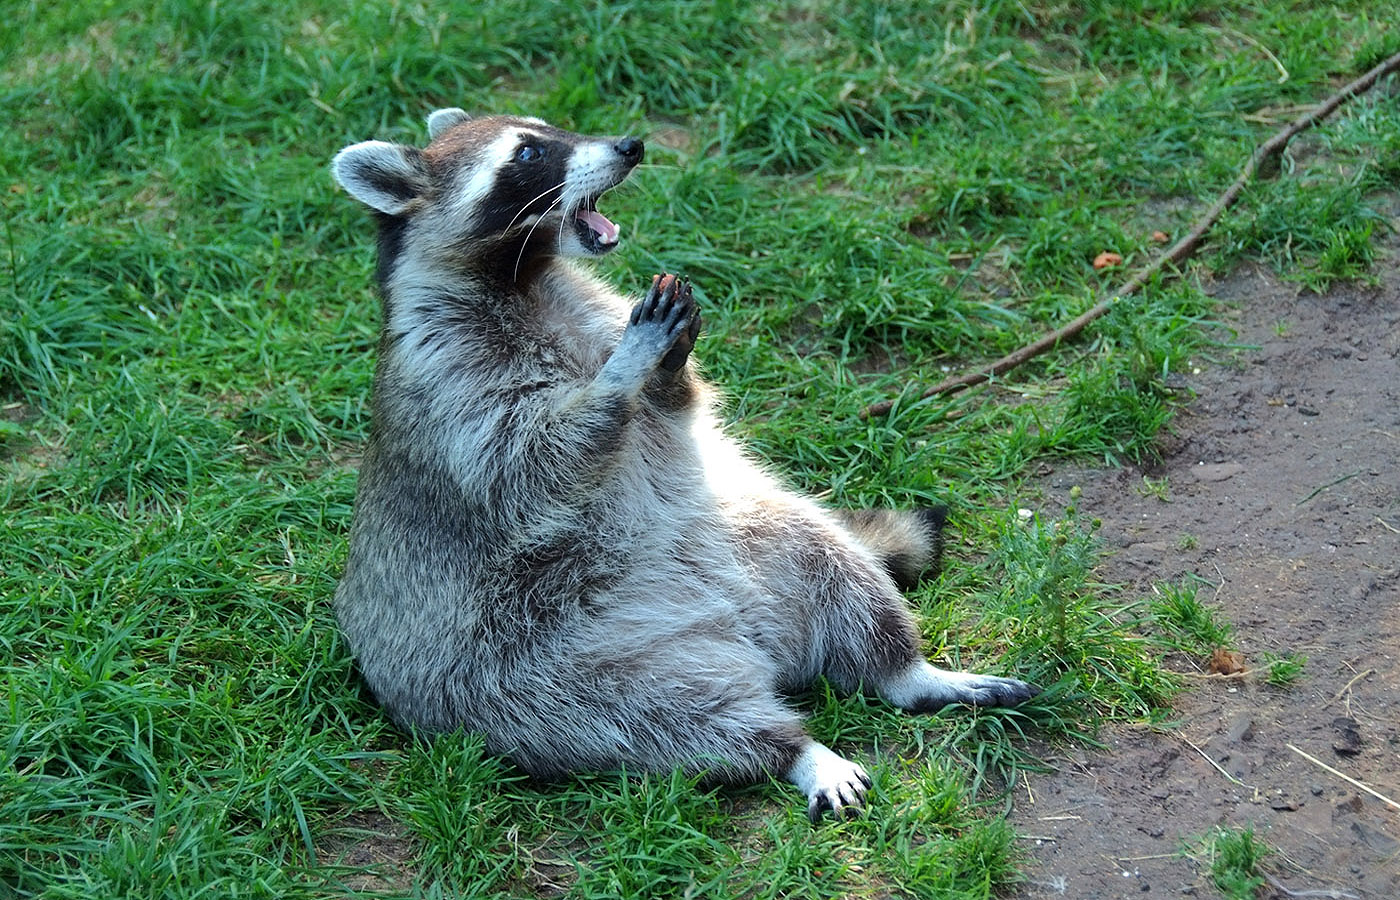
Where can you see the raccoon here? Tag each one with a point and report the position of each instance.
(555, 543)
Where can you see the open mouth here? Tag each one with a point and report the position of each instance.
(596, 231)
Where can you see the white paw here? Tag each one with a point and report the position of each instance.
(830, 782)
(924, 688)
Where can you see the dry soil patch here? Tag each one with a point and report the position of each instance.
(1283, 492)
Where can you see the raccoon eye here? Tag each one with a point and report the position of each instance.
(529, 153)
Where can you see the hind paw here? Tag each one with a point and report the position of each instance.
(990, 690)
(925, 689)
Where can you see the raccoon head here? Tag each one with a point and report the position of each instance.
(493, 192)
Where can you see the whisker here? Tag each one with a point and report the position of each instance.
(571, 207)
(526, 242)
(526, 205)
(559, 235)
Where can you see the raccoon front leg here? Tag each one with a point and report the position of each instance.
(579, 430)
(685, 342)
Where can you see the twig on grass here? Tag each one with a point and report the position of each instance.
(1345, 777)
(1242, 674)
(1282, 72)
(1220, 676)
(1265, 159)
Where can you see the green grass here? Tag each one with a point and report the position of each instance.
(866, 194)
(1185, 622)
(1283, 670)
(1233, 856)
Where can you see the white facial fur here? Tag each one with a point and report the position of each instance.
(475, 182)
(592, 169)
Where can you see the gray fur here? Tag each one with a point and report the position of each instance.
(555, 544)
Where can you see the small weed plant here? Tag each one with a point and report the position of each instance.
(864, 193)
(1185, 622)
(1284, 670)
(1156, 487)
(1234, 856)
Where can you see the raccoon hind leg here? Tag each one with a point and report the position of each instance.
(907, 543)
(859, 631)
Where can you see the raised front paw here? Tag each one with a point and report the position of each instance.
(669, 314)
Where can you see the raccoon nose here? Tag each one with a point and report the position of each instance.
(630, 149)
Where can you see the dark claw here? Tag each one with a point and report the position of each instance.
(1003, 692)
(846, 801)
(683, 305)
(841, 808)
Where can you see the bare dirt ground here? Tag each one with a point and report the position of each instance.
(1283, 492)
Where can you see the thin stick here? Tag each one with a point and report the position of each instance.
(1265, 158)
(1328, 893)
(1233, 779)
(1346, 687)
(1220, 676)
(1345, 777)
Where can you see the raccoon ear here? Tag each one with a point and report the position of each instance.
(439, 120)
(387, 177)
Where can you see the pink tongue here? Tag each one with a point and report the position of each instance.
(600, 223)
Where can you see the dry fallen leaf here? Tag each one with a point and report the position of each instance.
(1225, 662)
(1106, 259)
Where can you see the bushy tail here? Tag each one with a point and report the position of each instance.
(908, 543)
